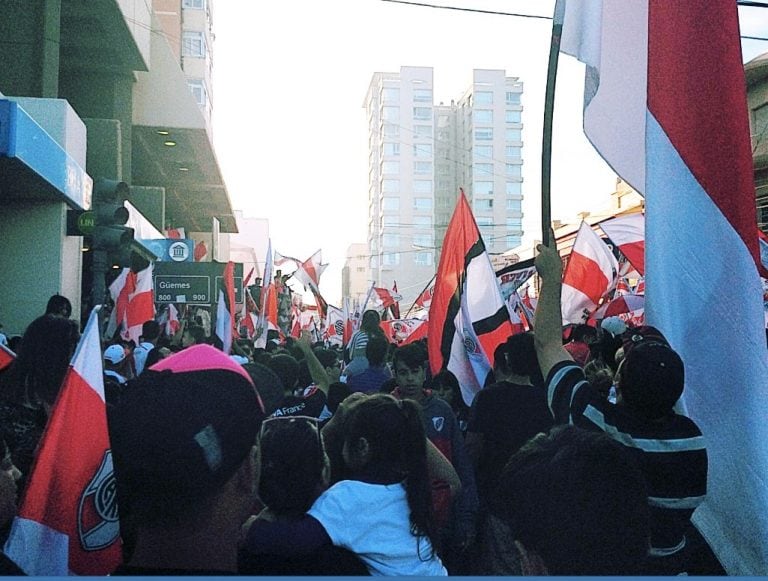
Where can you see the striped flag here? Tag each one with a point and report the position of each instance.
(225, 309)
(665, 105)
(468, 317)
(628, 234)
(588, 276)
(68, 521)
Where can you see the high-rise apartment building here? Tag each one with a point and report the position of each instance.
(420, 155)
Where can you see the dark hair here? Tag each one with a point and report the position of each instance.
(150, 330)
(578, 499)
(397, 444)
(370, 322)
(517, 355)
(292, 462)
(59, 305)
(376, 350)
(583, 333)
(326, 357)
(412, 355)
(388, 386)
(599, 376)
(651, 379)
(286, 368)
(305, 375)
(604, 349)
(153, 357)
(198, 334)
(448, 379)
(42, 360)
(337, 393)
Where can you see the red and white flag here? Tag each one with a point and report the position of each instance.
(309, 273)
(424, 300)
(281, 259)
(468, 317)
(640, 287)
(395, 308)
(268, 300)
(141, 303)
(622, 287)
(383, 298)
(669, 115)
(68, 522)
(589, 275)
(225, 309)
(628, 234)
(335, 321)
(404, 331)
(200, 252)
(172, 324)
(6, 357)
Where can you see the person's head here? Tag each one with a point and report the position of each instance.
(446, 385)
(193, 335)
(157, 354)
(268, 385)
(516, 357)
(583, 334)
(605, 348)
(408, 365)
(370, 322)
(576, 500)
(287, 369)
(294, 466)
(43, 357)
(150, 331)
(650, 378)
(600, 377)
(115, 358)
(59, 306)
(385, 437)
(330, 361)
(184, 442)
(337, 393)
(376, 350)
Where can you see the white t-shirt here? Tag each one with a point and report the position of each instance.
(372, 520)
(140, 355)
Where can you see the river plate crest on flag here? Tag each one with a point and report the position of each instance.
(97, 517)
(471, 345)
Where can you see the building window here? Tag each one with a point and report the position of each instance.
(483, 168)
(423, 240)
(422, 221)
(484, 221)
(197, 86)
(390, 113)
(513, 241)
(423, 258)
(514, 205)
(483, 151)
(194, 4)
(483, 116)
(391, 240)
(422, 150)
(390, 167)
(423, 131)
(390, 259)
(760, 128)
(513, 151)
(391, 130)
(422, 204)
(513, 117)
(391, 149)
(389, 221)
(513, 98)
(390, 186)
(422, 167)
(484, 133)
(374, 262)
(422, 186)
(422, 113)
(391, 94)
(388, 203)
(193, 44)
(483, 97)
(514, 134)
(422, 95)
(514, 188)
(514, 224)
(482, 205)
(483, 188)
(514, 170)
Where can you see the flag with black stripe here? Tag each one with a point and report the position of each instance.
(468, 318)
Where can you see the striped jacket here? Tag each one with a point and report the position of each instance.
(670, 452)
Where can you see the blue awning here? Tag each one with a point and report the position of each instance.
(34, 164)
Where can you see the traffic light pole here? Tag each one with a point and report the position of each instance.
(99, 282)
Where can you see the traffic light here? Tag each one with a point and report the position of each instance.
(110, 233)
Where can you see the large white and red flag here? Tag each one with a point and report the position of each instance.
(268, 300)
(335, 320)
(68, 522)
(309, 273)
(383, 298)
(424, 300)
(225, 309)
(172, 323)
(588, 276)
(628, 233)
(404, 331)
(468, 318)
(141, 304)
(281, 259)
(666, 106)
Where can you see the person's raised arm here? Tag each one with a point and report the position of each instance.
(548, 334)
(316, 369)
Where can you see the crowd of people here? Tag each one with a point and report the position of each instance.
(304, 459)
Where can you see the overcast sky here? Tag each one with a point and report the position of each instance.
(290, 130)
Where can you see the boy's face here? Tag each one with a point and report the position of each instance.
(410, 380)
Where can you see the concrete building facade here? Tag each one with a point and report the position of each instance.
(420, 154)
(355, 274)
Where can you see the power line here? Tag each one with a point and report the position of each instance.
(424, 5)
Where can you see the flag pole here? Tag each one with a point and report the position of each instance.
(421, 293)
(549, 105)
